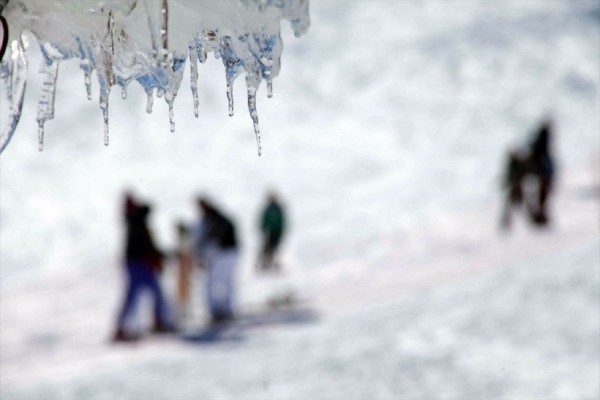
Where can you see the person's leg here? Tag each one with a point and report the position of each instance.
(162, 319)
(265, 255)
(219, 286)
(274, 248)
(184, 284)
(134, 284)
(230, 264)
(544, 192)
(212, 288)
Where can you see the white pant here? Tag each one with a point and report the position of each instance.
(220, 281)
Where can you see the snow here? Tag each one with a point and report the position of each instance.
(387, 150)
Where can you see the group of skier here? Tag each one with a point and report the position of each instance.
(210, 245)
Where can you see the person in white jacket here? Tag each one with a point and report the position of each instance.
(216, 249)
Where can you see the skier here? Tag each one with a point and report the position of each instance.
(272, 226)
(216, 249)
(542, 168)
(513, 184)
(529, 178)
(143, 262)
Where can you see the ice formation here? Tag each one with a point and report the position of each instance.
(148, 41)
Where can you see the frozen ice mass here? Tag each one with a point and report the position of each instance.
(147, 41)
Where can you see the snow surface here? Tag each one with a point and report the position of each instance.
(386, 139)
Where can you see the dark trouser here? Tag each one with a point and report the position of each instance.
(269, 249)
(140, 276)
(540, 216)
(514, 198)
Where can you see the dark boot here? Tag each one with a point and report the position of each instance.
(122, 336)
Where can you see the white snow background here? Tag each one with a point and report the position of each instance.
(386, 139)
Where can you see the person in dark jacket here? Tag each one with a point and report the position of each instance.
(272, 227)
(143, 262)
(216, 249)
(516, 170)
(529, 178)
(542, 169)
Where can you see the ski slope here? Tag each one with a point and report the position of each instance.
(385, 137)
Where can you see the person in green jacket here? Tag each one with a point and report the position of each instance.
(272, 227)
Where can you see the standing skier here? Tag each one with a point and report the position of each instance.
(217, 250)
(272, 227)
(542, 168)
(143, 262)
(513, 184)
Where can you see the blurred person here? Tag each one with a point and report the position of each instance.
(143, 262)
(183, 256)
(272, 227)
(529, 178)
(516, 169)
(216, 249)
(541, 167)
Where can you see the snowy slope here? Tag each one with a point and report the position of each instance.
(386, 134)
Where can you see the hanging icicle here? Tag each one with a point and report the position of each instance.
(149, 101)
(193, 51)
(46, 103)
(109, 37)
(104, 95)
(254, 116)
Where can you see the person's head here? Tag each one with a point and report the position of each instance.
(205, 205)
(272, 196)
(144, 210)
(182, 229)
(130, 203)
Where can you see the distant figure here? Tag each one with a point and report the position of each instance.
(272, 227)
(529, 178)
(542, 168)
(183, 256)
(143, 261)
(513, 183)
(216, 249)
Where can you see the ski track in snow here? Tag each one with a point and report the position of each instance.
(391, 182)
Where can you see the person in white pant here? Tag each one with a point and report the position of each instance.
(216, 249)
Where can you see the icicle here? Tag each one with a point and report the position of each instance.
(6, 72)
(194, 76)
(233, 64)
(123, 92)
(164, 11)
(149, 101)
(40, 135)
(88, 83)
(111, 32)
(158, 18)
(171, 118)
(14, 73)
(169, 98)
(254, 116)
(269, 88)
(46, 103)
(230, 95)
(87, 66)
(105, 117)
(104, 94)
(9, 83)
(200, 51)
